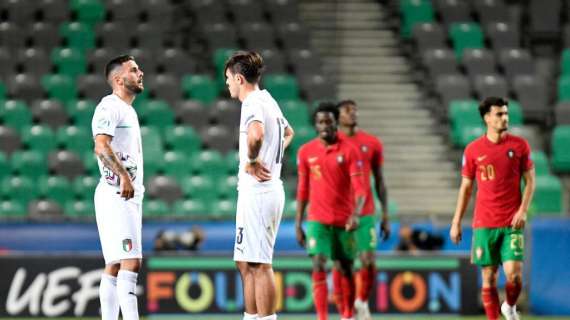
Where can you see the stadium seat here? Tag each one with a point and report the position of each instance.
(565, 62)
(232, 162)
(200, 187)
(282, 11)
(516, 62)
(224, 209)
(81, 112)
(69, 61)
(465, 36)
(76, 139)
(15, 114)
(452, 11)
(274, 60)
(99, 57)
(245, 10)
(90, 163)
(414, 12)
(177, 62)
(9, 140)
(55, 188)
(165, 188)
(152, 143)
(93, 86)
(156, 113)
(191, 208)
(491, 85)
(490, 11)
(66, 163)
(50, 113)
(282, 86)
(45, 35)
(20, 11)
(193, 113)
(478, 62)
(4, 166)
(226, 112)
(7, 63)
(183, 139)
(155, 208)
(560, 151)
(564, 88)
(122, 10)
(533, 93)
(30, 163)
(547, 195)
(60, 87)
(219, 138)
(440, 62)
(452, 87)
(296, 112)
(562, 113)
(175, 164)
(84, 186)
(44, 209)
(201, 88)
(11, 208)
(25, 86)
(469, 133)
(221, 55)
(165, 87)
(503, 36)
(540, 163)
(20, 189)
(256, 34)
(113, 34)
(34, 61)
(12, 35)
(428, 35)
(89, 12)
(207, 162)
(79, 208)
(464, 116)
(293, 35)
(39, 138)
(219, 35)
(227, 187)
(78, 35)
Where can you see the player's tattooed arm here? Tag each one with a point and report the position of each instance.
(107, 156)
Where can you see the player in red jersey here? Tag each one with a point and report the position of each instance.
(371, 151)
(331, 180)
(497, 161)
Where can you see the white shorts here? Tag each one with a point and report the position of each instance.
(257, 222)
(119, 223)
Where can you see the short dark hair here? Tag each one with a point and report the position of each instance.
(247, 63)
(486, 105)
(343, 103)
(116, 62)
(326, 107)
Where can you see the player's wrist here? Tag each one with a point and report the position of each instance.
(252, 160)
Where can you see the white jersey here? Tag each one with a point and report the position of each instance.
(116, 118)
(260, 106)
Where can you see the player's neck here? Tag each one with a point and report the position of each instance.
(348, 130)
(127, 97)
(330, 141)
(495, 136)
(246, 90)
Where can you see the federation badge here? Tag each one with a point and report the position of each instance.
(510, 153)
(479, 252)
(364, 148)
(127, 245)
(340, 158)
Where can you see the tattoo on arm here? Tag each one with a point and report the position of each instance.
(110, 160)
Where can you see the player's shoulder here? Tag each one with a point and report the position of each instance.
(475, 144)
(348, 145)
(369, 137)
(109, 102)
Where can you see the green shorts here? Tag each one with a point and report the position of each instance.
(366, 238)
(493, 246)
(332, 242)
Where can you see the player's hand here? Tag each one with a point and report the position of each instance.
(352, 223)
(519, 220)
(385, 229)
(126, 188)
(455, 233)
(258, 171)
(300, 235)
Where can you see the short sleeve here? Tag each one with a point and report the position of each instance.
(468, 168)
(105, 120)
(526, 159)
(252, 111)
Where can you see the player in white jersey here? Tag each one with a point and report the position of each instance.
(264, 136)
(119, 194)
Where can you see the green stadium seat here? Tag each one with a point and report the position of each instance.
(191, 208)
(152, 143)
(77, 139)
(56, 188)
(220, 57)
(141, 99)
(224, 209)
(69, 61)
(79, 208)
(156, 113)
(60, 87)
(302, 136)
(90, 163)
(413, 12)
(182, 138)
(30, 163)
(564, 88)
(78, 35)
(209, 162)
(516, 116)
(200, 87)
(469, 133)
(15, 114)
(152, 165)
(175, 164)
(201, 187)
(39, 138)
(4, 166)
(155, 208)
(2, 91)
(232, 162)
(296, 112)
(11, 208)
(466, 36)
(560, 152)
(547, 195)
(81, 112)
(282, 86)
(84, 187)
(227, 187)
(290, 209)
(540, 163)
(463, 116)
(20, 189)
(565, 62)
(89, 12)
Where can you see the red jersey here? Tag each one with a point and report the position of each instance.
(498, 168)
(330, 177)
(372, 153)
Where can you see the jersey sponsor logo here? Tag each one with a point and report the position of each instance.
(313, 159)
(127, 245)
(481, 158)
(510, 153)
